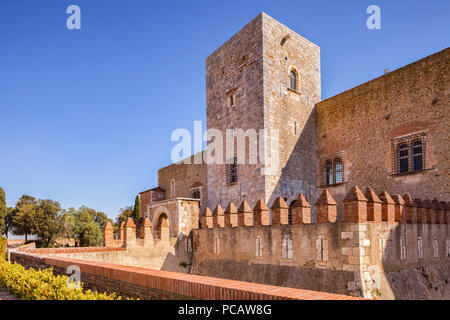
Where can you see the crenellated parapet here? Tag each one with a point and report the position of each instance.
(359, 207)
(380, 233)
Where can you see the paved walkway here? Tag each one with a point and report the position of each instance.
(6, 295)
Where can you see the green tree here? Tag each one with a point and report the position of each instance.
(68, 223)
(86, 231)
(9, 219)
(124, 214)
(47, 222)
(24, 218)
(3, 212)
(137, 208)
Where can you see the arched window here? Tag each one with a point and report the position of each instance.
(196, 194)
(417, 156)
(329, 172)
(293, 80)
(403, 158)
(338, 171)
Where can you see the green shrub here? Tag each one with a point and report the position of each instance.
(31, 284)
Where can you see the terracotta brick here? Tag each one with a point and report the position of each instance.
(326, 210)
(301, 210)
(280, 212)
(355, 206)
(387, 207)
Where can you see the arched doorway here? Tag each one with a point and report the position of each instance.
(163, 221)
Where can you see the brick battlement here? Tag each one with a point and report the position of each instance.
(358, 207)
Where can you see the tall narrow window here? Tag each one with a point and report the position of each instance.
(259, 247)
(420, 247)
(293, 80)
(217, 246)
(338, 169)
(287, 248)
(403, 159)
(172, 188)
(435, 248)
(231, 172)
(417, 158)
(330, 175)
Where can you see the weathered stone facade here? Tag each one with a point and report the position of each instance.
(361, 124)
(388, 259)
(248, 86)
(254, 68)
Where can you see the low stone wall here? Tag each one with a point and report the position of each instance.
(156, 284)
(169, 255)
(374, 260)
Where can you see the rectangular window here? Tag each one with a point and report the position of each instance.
(420, 247)
(231, 172)
(408, 153)
(332, 169)
(435, 248)
(287, 248)
(172, 188)
(259, 247)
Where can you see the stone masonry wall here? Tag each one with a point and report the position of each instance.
(391, 251)
(186, 177)
(236, 69)
(291, 111)
(362, 122)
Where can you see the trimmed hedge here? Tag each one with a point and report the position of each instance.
(31, 284)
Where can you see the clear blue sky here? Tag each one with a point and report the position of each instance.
(86, 116)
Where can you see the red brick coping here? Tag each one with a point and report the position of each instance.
(43, 251)
(192, 286)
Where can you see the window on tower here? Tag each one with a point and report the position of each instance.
(231, 172)
(293, 80)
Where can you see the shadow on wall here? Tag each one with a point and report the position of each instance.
(386, 247)
(299, 173)
(416, 248)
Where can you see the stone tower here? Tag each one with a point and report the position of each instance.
(250, 86)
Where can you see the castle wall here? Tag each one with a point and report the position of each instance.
(346, 264)
(390, 251)
(291, 111)
(362, 122)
